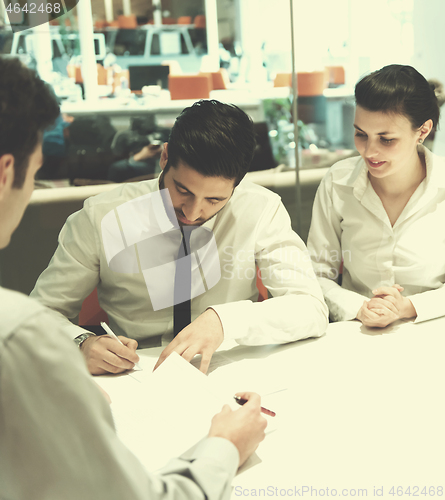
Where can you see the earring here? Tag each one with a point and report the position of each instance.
(420, 141)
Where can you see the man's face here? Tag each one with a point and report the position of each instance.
(195, 198)
(13, 201)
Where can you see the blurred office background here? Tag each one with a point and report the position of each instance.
(124, 69)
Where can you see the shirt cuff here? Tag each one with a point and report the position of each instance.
(343, 304)
(217, 449)
(427, 305)
(234, 318)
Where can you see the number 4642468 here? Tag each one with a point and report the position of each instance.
(33, 8)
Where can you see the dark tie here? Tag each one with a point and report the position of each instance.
(183, 284)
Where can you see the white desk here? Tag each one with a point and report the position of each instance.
(364, 408)
(165, 109)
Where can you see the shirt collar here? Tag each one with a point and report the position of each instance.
(358, 180)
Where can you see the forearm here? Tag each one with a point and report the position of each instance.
(428, 305)
(274, 321)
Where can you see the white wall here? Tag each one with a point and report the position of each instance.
(429, 46)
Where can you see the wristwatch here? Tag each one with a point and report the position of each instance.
(80, 339)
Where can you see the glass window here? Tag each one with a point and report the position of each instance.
(130, 43)
(5, 41)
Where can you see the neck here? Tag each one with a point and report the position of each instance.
(402, 181)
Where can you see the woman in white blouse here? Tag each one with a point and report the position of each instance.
(380, 218)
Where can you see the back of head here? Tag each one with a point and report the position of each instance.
(399, 89)
(27, 107)
(215, 139)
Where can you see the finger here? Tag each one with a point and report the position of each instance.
(188, 353)
(119, 364)
(398, 287)
(130, 343)
(253, 399)
(205, 361)
(386, 290)
(166, 352)
(369, 314)
(378, 303)
(109, 344)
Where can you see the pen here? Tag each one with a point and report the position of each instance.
(242, 401)
(110, 332)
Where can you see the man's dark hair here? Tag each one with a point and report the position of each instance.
(399, 89)
(215, 139)
(27, 107)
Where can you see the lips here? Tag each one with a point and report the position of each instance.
(375, 164)
(183, 220)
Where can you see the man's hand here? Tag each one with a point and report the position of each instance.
(203, 336)
(147, 152)
(243, 427)
(107, 355)
(387, 306)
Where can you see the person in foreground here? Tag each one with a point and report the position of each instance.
(380, 215)
(240, 226)
(56, 430)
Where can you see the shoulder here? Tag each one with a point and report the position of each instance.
(248, 193)
(123, 193)
(15, 310)
(435, 165)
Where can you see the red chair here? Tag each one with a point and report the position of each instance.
(263, 293)
(190, 86)
(91, 313)
(184, 20)
(200, 22)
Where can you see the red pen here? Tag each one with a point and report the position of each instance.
(242, 401)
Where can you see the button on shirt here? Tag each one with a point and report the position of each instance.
(350, 225)
(252, 229)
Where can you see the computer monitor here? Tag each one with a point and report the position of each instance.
(140, 76)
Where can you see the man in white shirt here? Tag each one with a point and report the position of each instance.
(238, 226)
(56, 430)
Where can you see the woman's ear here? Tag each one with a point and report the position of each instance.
(425, 130)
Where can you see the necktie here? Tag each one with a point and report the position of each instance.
(183, 284)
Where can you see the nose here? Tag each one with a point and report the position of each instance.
(192, 210)
(371, 149)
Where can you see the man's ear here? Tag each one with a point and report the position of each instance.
(164, 156)
(6, 174)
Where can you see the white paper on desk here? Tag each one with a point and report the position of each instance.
(167, 414)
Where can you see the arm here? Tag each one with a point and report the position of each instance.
(70, 277)
(56, 426)
(324, 246)
(72, 273)
(297, 309)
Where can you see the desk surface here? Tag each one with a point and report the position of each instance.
(162, 106)
(362, 409)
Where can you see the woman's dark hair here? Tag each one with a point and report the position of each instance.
(399, 89)
(215, 139)
(27, 107)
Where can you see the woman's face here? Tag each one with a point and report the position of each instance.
(387, 142)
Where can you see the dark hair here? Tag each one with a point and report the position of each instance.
(27, 107)
(399, 89)
(215, 139)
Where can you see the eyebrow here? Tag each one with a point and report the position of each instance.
(219, 198)
(380, 133)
